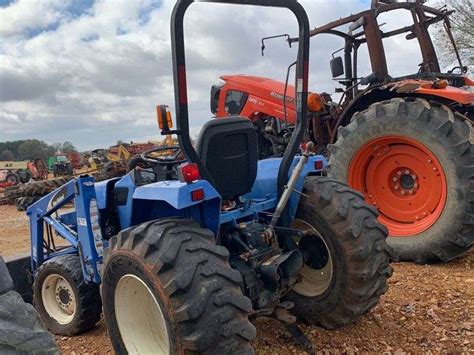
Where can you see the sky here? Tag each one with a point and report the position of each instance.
(91, 72)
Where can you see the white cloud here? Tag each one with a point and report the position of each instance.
(9, 117)
(25, 15)
(95, 77)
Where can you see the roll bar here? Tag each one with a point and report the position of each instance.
(180, 84)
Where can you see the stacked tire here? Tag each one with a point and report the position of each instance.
(27, 194)
(22, 203)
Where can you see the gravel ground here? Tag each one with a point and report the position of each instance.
(427, 308)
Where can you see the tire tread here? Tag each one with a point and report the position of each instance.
(456, 134)
(209, 308)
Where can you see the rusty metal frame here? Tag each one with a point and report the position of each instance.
(423, 17)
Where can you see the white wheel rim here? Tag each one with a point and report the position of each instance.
(313, 282)
(58, 298)
(139, 318)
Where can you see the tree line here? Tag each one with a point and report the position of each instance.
(30, 149)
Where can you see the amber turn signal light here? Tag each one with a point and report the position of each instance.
(165, 123)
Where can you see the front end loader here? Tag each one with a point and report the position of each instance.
(181, 255)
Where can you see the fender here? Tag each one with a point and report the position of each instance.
(101, 189)
(168, 199)
(265, 183)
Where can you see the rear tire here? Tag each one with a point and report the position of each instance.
(447, 231)
(67, 305)
(193, 294)
(356, 251)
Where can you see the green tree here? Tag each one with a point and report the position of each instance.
(68, 147)
(57, 147)
(11, 146)
(33, 148)
(7, 154)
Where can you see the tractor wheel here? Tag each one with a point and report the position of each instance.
(346, 259)
(22, 203)
(69, 169)
(67, 305)
(414, 161)
(13, 178)
(44, 187)
(25, 176)
(12, 192)
(167, 289)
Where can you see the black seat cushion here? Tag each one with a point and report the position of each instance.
(228, 149)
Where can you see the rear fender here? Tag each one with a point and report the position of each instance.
(265, 185)
(451, 93)
(172, 198)
(101, 189)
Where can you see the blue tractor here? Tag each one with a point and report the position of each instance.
(181, 253)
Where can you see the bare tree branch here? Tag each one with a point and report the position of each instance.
(462, 22)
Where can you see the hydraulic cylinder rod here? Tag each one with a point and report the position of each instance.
(288, 190)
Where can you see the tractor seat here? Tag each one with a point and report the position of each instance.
(228, 149)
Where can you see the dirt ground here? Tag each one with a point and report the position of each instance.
(427, 309)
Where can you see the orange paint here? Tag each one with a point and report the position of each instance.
(450, 92)
(265, 97)
(404, 180)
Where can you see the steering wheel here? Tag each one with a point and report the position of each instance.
(163, 160)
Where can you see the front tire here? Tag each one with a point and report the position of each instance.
(192, 297)
(414, 161)
(66, 304)
(346, 260)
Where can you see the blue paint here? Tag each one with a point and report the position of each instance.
(101, 191)
(75, 227)
(138, 204)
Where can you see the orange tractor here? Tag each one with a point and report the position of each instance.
(16, 172)
(405, 142)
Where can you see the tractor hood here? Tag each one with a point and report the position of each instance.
(263, 88)
(266, 87)
(266, 95)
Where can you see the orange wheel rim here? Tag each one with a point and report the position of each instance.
(404, 180)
